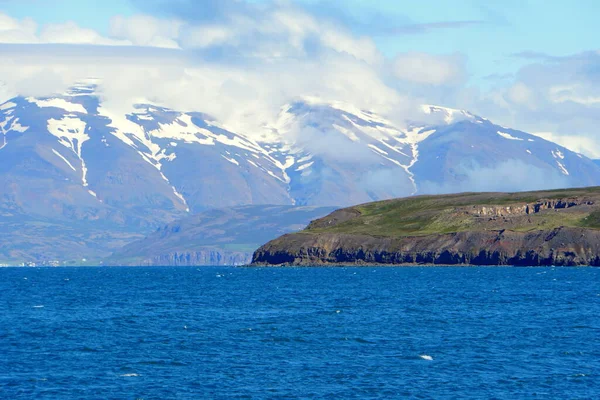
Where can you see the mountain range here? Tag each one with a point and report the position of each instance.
(79, 180)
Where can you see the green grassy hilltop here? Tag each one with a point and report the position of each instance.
(426, 215)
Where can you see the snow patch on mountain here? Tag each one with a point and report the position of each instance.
(414, 136)
(4, 124)
(450, 115)
(135, 136)
(305, 166)
(183, 129)
(57, 102)
(145, 117)
(64, 159)
(558, 154)
(175, 192)
(395, 145)
(285, 179)
(377, 150)
(508, 136)
(7, 106)
(562, 168)
(376, 131)
(305, 159)
(289, 162)
(70, 131)
(17, 127)
(394, 161)
(231, 160)
(365, 115)
(12, 124)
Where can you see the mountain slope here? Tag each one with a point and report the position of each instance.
(467, 156)
(70, 160)
(314, 154)
(532, 228)
(216, 237)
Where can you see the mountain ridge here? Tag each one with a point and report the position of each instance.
(70, 160)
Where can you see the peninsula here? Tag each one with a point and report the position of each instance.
(558, 227)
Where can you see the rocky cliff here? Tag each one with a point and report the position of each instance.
(202, 257)
(559, 228)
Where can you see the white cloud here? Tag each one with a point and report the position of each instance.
(263, 61)
(506, 176)
(430, 69)
(242, 67)
(575, 93)
(281, 32)
(71, 33)
(26, 32)
(362, 48)
(15, 31)
(560, 95)
(245, 96)
(579, 144)
(142, 30)
(258, 62)
(521, 95)
(207, 36)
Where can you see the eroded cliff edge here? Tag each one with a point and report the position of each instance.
(559, 228)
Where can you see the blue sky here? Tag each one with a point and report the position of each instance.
(94, 14)
(529, 64)
(491, 33)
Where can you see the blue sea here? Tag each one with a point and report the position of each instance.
(334, 333)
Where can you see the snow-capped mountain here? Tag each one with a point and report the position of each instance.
(69, 158)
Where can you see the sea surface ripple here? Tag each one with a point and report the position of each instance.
(189, 333)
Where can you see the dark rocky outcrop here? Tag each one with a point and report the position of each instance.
(527, 209)
(560, 247)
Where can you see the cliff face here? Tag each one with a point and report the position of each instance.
(195, 258)
(557, 228)
(527, 209)
(561, 247)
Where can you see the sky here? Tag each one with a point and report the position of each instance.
(529, 64)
